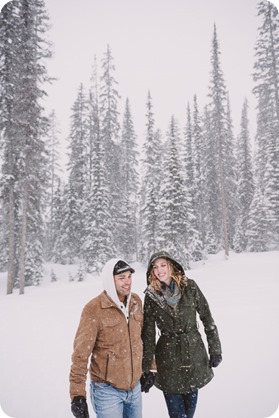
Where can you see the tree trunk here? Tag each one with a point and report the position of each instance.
(224, 207)
(23, 238)
(11, 256)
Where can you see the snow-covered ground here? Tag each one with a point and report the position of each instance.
(37, 331)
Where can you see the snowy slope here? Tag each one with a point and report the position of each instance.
(37, 331)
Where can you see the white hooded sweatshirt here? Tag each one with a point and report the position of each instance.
(109, 286)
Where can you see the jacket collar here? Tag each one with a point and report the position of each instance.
(159, 299)
(107, 302)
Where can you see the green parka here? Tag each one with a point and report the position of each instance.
(181, 358)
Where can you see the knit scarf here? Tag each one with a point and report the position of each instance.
(172, 294)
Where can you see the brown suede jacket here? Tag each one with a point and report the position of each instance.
(113, 345)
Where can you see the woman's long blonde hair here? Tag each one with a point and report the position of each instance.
(175, 274)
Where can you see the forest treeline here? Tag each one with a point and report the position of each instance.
(198, 188)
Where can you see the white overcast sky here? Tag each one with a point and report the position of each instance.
(159, 45)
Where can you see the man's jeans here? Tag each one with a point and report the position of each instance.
(181, 406)
(109, 402)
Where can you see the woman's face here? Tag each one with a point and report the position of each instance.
(161, 270)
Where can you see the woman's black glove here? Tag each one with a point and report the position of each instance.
(79, 407)
(215, 360)
(147, 380)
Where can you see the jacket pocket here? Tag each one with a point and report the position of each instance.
(111, 366)
(110, 322)
(112, 332)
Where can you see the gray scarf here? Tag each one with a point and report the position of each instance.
(172, 294)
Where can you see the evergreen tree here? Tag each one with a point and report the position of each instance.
(188, 153)
(129, 186)
(245, 185)
(150, 187)
(266, 76)
(211, 194)
(98, 240)
(257, 226)
(93, 120)
(56, 252)
(199, 181)
(219, 137)
(10, 32)
(173, 207)
(110, 129)
(193, 241)
(23, 118)
(230, 169)
(67, 217)
(54, 169)
(261, 139)
(77, 167)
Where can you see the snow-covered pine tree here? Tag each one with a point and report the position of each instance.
(58, 237)
(98, 242)
(173, 209)
(266, 77)
(271, 183)
(257, 225)
(54, 170)
(198, 142)
(110, 129)
(245, 181)
(150, 187)
(67, 238)
(10, 29)
(191, 183)
(129, 187)
(262, 138)
(29, 50)
(266, 74)
(230, 167)
(220, 138)
(77, 167)
(211, 195)
(93, 120)
(188, 153)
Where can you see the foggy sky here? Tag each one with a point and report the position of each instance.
(159, 45)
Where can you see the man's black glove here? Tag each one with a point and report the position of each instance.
(147, 380)
(215, 360)
(79, 407)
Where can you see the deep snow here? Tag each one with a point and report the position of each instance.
(37, 331)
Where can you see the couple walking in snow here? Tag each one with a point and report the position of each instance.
(121, 341)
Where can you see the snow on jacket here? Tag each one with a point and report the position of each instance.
(114, 347)
(180, 354)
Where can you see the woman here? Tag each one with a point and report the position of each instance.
(183, 366)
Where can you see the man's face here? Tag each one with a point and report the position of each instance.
(123, 283)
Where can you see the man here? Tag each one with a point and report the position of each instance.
(110, 334)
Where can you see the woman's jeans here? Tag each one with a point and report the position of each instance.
(181, 406)
(109, 402)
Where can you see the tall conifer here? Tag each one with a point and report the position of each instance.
(150, 187)
(245, 183)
